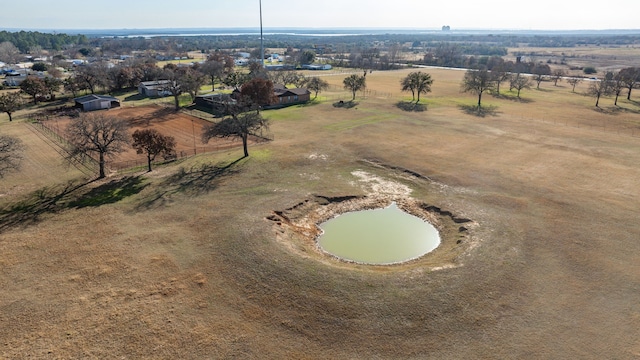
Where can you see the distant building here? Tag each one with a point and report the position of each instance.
(96, 102)
(155, 88)
(317, 67)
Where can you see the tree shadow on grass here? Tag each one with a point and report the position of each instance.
(197, 180)
(411, 106)
(33, 207)
(51, 200)
(514, 98)
(345, 104)
(109, 193)
(480, 111)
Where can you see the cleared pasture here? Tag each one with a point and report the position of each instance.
(185, 263)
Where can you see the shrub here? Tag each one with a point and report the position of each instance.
(589, 70)
(39, 67)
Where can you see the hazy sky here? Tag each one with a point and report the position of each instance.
(414, 14)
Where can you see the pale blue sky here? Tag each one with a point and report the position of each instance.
(413, 14)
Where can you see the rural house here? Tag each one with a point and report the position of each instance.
(153, 88)
(96, 102)
(290, 96)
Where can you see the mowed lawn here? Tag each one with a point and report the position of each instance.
(184, 262)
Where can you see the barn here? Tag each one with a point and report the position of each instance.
(96, 102)
(154, 88)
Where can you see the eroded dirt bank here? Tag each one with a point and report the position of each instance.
(297, 227)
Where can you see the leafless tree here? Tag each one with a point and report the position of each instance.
(540, 73)
(600, 88)
(9, 53)
(557, 75)
(239, 124)
(10, 154)
(520, 82)
(617, 85)
(477, 82)
(97, 134)
(573, 81)
(631, 77)
(500, 72)
(93, 76)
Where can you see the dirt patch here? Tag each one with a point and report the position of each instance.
(298, 228)
(186, 129)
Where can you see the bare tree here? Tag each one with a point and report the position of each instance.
(600, 88)
(557, 75)
(573, 81)
(477, 82)
(214, 70)
(9, 53)
(500, 72)
(631, 77)
(97, 134)
(617, 84)
(10, 103)
(238, 124)
(173, 84)
(10, 154)
(540, 73)
(152, 143)
(93, 76)
(519, 82)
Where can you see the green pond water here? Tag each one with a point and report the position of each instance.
(380, 236)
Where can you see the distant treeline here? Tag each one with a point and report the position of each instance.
(26, 40)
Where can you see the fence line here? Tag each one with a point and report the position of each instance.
(87, 165)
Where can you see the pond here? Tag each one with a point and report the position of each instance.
(379, 236)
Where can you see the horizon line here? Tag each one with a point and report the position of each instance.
(327, 28)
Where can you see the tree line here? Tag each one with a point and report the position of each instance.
(26, 40)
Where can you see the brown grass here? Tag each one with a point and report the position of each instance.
(184, 264)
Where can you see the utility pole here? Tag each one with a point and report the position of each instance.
(261, 38)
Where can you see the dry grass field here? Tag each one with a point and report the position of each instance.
(205, 259)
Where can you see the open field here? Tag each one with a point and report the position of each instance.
(193, 261)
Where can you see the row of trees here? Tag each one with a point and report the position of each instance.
(101, 136)
(479, 81)
(104, 136)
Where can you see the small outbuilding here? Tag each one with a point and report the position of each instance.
(154, 88)
(217, 103)
(96, 102)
